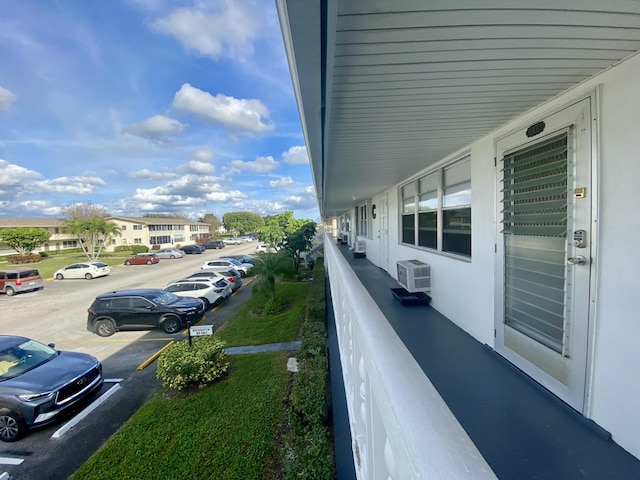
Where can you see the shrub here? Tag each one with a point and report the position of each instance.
(19, 259)
(182, 365)
(122, 248)
(139, 249)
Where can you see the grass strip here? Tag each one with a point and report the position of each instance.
(225, 431)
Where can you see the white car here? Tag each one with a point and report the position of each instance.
(169, 253)
(230, 274)
(210, 292)
(86, 270)
(227, 263)
(264, 247)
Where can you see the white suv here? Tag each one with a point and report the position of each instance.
(226, 263)
(211, 292)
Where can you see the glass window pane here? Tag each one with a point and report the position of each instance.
(428, 229)
(408, 229)
(428, 201)
(457, 195)
(456, 234)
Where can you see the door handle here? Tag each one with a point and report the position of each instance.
(579, 260)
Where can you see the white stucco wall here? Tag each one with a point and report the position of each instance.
(465, 291)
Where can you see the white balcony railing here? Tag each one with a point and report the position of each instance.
(400, 426)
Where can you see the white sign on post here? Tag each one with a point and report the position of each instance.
(201, 330)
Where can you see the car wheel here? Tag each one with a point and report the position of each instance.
(12, 427)
(88, 276)
(170, 324)
(10, 291)
(172, 257)
(148, 262)
(104, 328)
(127, 262)
(59, 277)
(206, 302)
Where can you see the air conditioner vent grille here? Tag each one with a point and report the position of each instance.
(414, 275)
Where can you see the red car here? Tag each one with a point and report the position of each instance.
(142, 259)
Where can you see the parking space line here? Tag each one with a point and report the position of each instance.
(11, 461)
(82, 415)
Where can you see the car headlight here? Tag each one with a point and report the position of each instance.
(30, 397)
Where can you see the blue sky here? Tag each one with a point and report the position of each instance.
(148, 106)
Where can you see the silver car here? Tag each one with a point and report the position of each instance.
(212, 292)
(169, 253)
(230, 274)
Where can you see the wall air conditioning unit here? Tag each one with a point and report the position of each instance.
(414, 276)
(359, 248)
(345, 238)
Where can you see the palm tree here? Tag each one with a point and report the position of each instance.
(93, 234)
(270, 266)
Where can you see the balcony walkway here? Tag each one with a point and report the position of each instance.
(523, 431)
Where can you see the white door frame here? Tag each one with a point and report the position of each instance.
(566, 374)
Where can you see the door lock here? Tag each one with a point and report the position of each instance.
(579, 260)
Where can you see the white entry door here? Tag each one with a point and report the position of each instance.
(544, 254)
(381, 207)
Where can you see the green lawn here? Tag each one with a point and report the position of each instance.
(47, 265)
(225, 431)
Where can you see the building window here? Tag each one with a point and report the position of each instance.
(69, 243)
(137, 227)
(193, 228)
(123, 228)
(436, 210)
(124, 241)
(409, 214)
(362, 220)
(137, 241)
(160, 239)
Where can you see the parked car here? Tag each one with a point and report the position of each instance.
(18, 280)
(169, 253)
(227, 263)
(233, 241)
(142, 308)
(37, 383)
(192, 249)
(231, 275)
(211, 292)
(241, 258)
(216, 244)
(142, 259)
(246, 239)
(266, 248)
(86, 270)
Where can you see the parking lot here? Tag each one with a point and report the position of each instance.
(58, 314)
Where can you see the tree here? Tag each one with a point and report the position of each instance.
(90, 225)
(293, 235)
(242, 222)
(212, 220)
(268, 266)
(24, 240)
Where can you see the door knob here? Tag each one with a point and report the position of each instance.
(579, 260)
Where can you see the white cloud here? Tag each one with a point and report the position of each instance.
(202, 155)
(296, 156)
(75, 185)
(146, 174)
(259, 165)
(196, 166)
(156, 129)
(283, 182)
(6, 99)
(241, 116)
(228, 32)
(11, 174)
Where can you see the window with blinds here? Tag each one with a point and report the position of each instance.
(534, 219)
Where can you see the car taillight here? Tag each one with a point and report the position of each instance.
(231, 279)
(91, 310)
(18, 283)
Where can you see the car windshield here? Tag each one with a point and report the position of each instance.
(18, 359)
(234, 261)
(99, 265)
(163, 298)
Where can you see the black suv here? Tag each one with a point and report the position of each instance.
(217, 244)
(140, 309)
(192, 249)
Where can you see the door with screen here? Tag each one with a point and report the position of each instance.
(544, 253)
